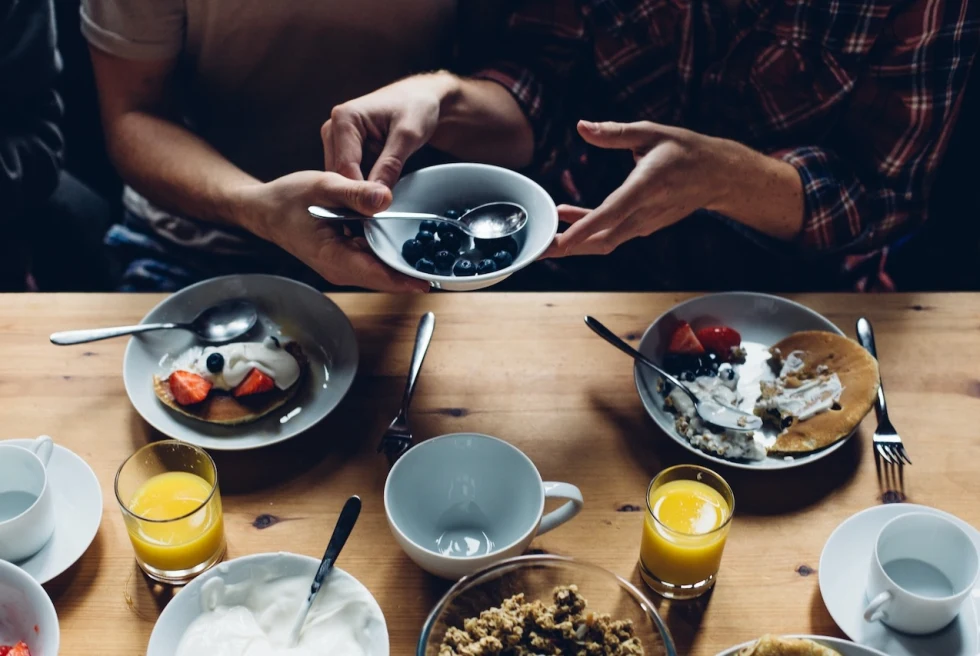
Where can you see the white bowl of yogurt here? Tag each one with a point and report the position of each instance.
(247, 606)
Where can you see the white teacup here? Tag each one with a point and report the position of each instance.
(459, 503)
(26, 509)
(923, 568)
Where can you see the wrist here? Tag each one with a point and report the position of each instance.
(239, 204)
(730, 166)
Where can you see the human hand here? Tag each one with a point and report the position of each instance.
(397, 120)
(677, 172)
(276, 211)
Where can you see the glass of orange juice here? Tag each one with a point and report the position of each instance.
(689, 511)
(168, 494)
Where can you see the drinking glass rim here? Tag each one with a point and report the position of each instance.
(125, 508)
(731, 510)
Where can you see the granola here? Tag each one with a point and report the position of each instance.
(522, 628)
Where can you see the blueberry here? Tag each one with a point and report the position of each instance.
(425, 265)
(471, 254)
(678, 363)
(444, 260)
(486, 266)
(503, 259)
(464, 268)
(425, 237)
(704, 372)
(688, 376)
(429, 226)
(707, 363)
(451, 214)
(215, 363)
(413, 250)
(450, 237)
(508, 244)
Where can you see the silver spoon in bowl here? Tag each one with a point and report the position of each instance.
(489, 221)
(345, 524)
(711, 411)
(218, 324)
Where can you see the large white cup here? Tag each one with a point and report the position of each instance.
(26, 508)
(459, 503)
(923, 568)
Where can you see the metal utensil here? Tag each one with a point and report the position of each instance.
(489, 221)
(398, 438)
(218, 324)
(888, 446)
(711, 411)
(345, 524)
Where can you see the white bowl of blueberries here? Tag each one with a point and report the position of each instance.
(440, 252)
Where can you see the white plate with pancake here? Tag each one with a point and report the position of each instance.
(843, 647)
(762, 320)
(287, 309)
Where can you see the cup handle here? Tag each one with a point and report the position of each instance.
(873, 612)
(559, 516)
(42, 447)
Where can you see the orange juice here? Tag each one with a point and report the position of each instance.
(166, 532)
(684, 537)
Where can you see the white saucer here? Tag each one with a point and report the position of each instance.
(843, 573)
(78, 513)
(845, 647)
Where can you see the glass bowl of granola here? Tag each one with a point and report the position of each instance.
(534, 605)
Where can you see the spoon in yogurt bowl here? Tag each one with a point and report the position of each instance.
(345, 524)
(710, 410)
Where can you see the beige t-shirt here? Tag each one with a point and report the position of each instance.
(261, 76)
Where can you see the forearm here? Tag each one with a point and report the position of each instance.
(176, 169)
(762, 192)
(481, 122)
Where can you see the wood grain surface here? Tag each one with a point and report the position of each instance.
(525, 368)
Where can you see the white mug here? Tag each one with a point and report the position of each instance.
(923, 568)
(26, 508)
(459, 503)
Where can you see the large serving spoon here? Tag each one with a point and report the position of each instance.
(490, 221)
(710, 410)
(218, 324)
(345, 524)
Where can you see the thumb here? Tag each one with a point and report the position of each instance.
(334, 190)
(620, 136)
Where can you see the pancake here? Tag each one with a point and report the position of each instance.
(770, 645)
(858, 373)
(222, 408)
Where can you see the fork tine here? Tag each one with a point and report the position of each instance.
(902, 453)
(901, 482)
(882, 450)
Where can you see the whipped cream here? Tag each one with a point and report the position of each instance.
(254, 618)
(268, 356)
(722, 388)
(792, 397)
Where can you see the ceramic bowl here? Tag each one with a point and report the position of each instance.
(26, 612)
(185, 607)
(537, 577)
(449, 186)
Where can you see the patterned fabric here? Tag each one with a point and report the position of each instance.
(859, 95)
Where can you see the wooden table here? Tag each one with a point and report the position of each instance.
(522, 367)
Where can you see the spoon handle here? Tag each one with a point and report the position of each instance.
(69, 337)
(614, 339)
(351, 215)
(345, 524)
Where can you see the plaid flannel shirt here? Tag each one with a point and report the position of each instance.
(859, 95)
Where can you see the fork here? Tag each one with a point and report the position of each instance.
(888, 445)
(398, 438)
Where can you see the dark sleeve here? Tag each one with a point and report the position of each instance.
(30, 141)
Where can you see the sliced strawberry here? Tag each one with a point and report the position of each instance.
(188, 388)
(255, 382)
(4, 650)
(684, 341)
(719, 339)
(20, 649)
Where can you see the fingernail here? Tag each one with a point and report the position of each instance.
(590, 126)
(377, 198)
